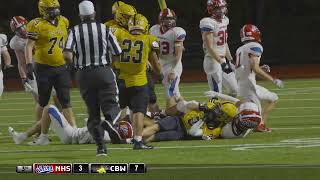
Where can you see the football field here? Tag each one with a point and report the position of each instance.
(293, 145)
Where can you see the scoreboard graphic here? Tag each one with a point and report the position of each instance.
(83, 168)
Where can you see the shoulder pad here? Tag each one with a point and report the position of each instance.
(207, 25)
(180, 33)
(3, 40)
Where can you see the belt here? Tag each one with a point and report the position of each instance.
(92, 67)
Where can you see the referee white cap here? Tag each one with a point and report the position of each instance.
(86, 8)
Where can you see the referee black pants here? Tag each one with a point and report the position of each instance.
(99, 91)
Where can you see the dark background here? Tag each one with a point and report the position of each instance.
(290, 28)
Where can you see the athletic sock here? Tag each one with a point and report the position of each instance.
(24, 136)
(138, 138)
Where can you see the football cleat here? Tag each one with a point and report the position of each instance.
(101, 150)
(42, 140)
(141, 145)
(18, 138)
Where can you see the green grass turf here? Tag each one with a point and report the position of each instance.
(297, 116)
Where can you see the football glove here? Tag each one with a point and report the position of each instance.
(226, 67)
(278, 83)
(30, 71)
(266, 68)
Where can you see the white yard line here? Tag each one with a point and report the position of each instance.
(189, 97)
(183, 92)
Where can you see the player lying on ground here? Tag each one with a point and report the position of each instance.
(218, 118)
(67, 134)
(247, 67)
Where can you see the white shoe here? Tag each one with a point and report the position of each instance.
(28, 87)
(42, 140)
(18, 138)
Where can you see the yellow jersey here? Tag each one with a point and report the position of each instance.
(113, 26)
(135, 55)
(50, 40)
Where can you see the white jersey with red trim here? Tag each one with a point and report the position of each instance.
(167, 43)
(3, 44)
(18, 43)
(220, 33)
(243, 63)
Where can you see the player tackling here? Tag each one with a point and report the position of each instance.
(248, 66)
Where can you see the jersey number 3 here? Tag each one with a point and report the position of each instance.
(54, 42)
(127, 55)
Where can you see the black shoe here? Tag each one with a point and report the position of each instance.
(140, 145)
(101, 150)
(113, 133)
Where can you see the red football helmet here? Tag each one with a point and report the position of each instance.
(217, 8)
(250, 32)
(17, 24)
(167, 19)
(125, 129)
(249, 116)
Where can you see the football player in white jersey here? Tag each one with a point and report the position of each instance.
(17, 43)
(217, 58)
(247, 67)
(67, 134)
(6, 58)
(171, 50)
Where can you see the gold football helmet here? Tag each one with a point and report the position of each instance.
(138, 22)
(49, 9)
(116, 6)
(224, 110)
(124, 13)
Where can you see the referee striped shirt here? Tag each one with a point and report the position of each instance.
(92, 44)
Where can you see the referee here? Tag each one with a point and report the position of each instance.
(91, 43)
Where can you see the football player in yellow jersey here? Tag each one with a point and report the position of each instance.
(122, 13)
(137, 48)
(47, 35)
(227, 117)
